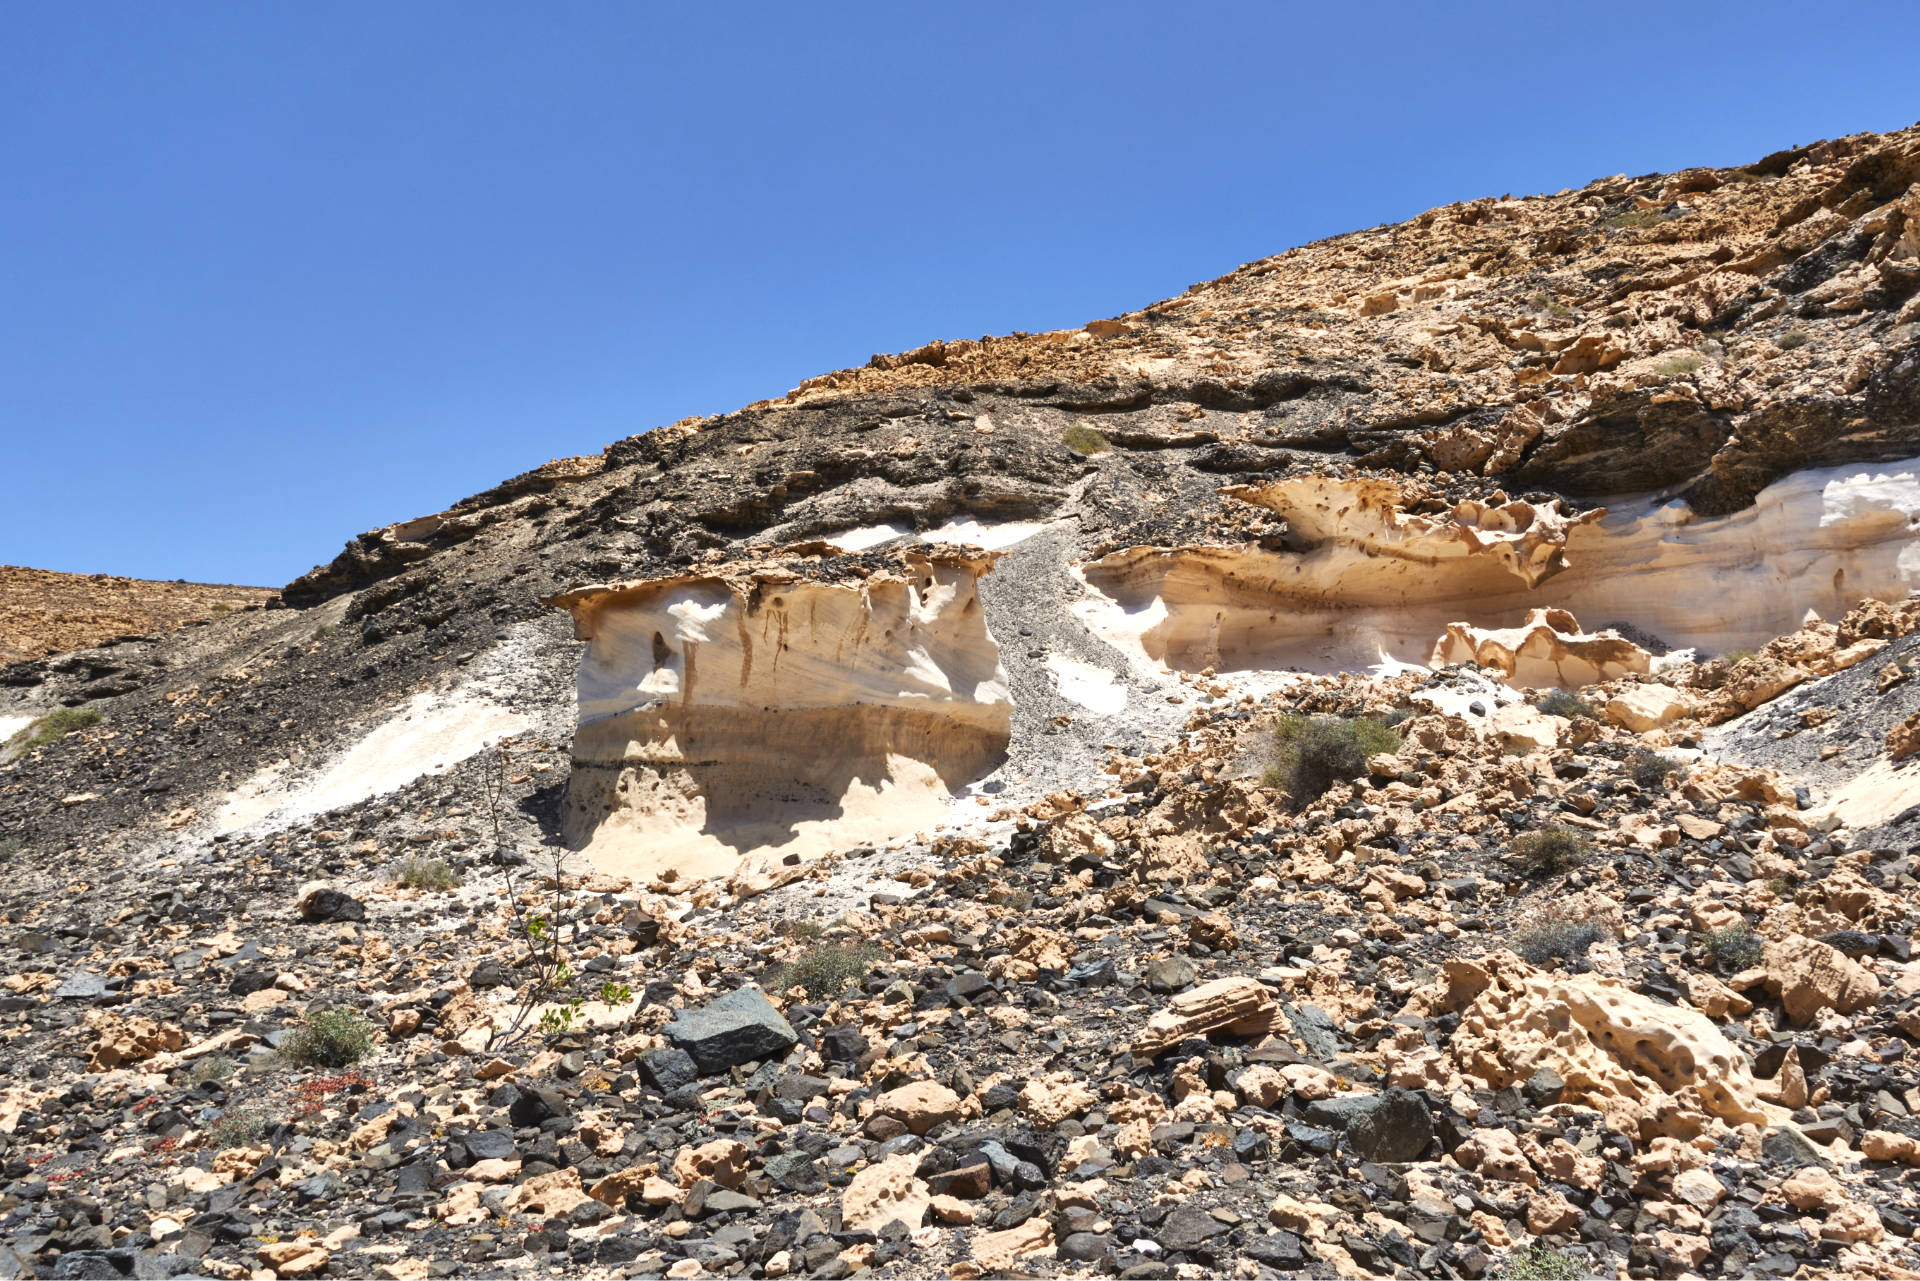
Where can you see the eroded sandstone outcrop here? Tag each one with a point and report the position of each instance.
(780, 705)
(1548, 650)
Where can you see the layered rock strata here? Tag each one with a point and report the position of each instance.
(788, 705)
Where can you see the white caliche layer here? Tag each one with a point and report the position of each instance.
(429, 734)
(991, 535)
(1372, 584)
(768, 712)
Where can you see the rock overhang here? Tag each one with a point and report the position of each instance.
(796, 700)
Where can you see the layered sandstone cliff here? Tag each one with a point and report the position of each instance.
(787, 705)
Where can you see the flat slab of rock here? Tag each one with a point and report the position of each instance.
(740, 1027)
(1240, 1004)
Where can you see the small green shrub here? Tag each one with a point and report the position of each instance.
(419, 873)
(1552, 940)
(11, 845)
(1791, 339)
(1732, 948)
(1678, 365)
(329, 1038)
(239, 1128)
(1541, 1262)
(325, 630)
(825, 969)
(54, 725)
(1313, 753)
(1650, 769)
(1735, 657)
(1564, 702)
(809, 930)
(215, 1067)
(1551, 849)
(1082, 439)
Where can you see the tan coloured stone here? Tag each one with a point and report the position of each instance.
(1001, 1251)
(723, 1160)
(552, 1195)
(1647, 707)
(131, 1040)
(1548, 650)
(1810, 976)
(1884, 1145)
(882, 1193)
(297, 1258)
(1813, 1187)
(1496, 1155)
(1055, 1098)
(1238, 1004)
(920, 1105)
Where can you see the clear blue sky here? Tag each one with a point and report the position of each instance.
(272, 274)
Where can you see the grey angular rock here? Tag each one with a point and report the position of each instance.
(1392, 1127)
(81, 986)
(1169, 974)
(737, 1028)
(1188, 1228)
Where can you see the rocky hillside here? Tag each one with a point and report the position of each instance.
(1395, 762)
(42, 612)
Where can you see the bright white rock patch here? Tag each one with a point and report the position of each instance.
(1094, 688)
(429, 735)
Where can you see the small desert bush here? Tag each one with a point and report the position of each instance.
(419, 873)
(1312, 753)
(1541, 1262)
(1556, 938)
(825, 969)
(1678, 365)
(1650, 769)
(1735, 657)
(1791, 339)
(1551, 849)
(54, 725)
(329, 1038)
(1082, 439)
(239, 1128)
(215, 1067)
(325, 630)
(1732, 948)
(1564, 702)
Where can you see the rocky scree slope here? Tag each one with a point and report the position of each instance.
(1129, 1010)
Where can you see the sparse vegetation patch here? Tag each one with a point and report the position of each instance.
(53, 726)
(1312, 753)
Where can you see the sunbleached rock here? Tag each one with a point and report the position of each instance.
(1051, 1100)
(920, 1105)
(885, 1192)
(1885, 1145)
(1810, 976)
(723, 1160)
(552, 1195)
(1644, 1063)
(119, 1041)
(1647, 707)
(1365, 578)
(1548, 650)
(999, 1251)
(1239, 1004)
(775, 707)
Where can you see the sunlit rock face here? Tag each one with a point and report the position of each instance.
(1369, 573)
(784, 706)
(1547, 651)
